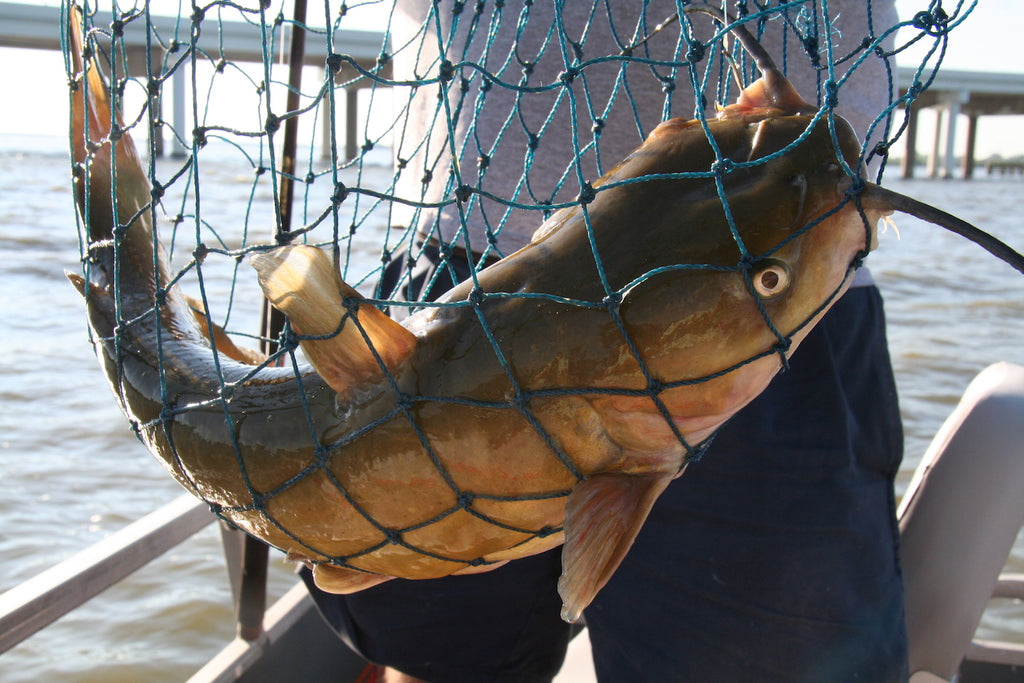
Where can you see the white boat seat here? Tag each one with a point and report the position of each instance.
(960, 517)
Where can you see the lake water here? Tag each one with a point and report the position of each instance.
(72, 472)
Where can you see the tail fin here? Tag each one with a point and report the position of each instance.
(95, 130)
(352, 341)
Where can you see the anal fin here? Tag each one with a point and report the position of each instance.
(343, 581)
(602, 518)
(302, 282)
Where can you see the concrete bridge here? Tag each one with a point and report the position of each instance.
(953, 93)
(38, 27)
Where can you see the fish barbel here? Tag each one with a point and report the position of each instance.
(549, 400)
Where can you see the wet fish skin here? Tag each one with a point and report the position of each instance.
(618, 448)
(390, 482)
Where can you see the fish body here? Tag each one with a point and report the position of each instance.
(549, 400)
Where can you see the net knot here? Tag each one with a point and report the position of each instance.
(696, 52)
(288, 341)
(810, 44)
(157, 191)
(568, 76)
(334, 62)
(394, 537)
(403, 401)
(272, 124)
(856, 186)
(351, 304)
(463, 193)
(476, 297)
(340, 193)
(200, 252)
(934, 23)
(587, 194)
(446, 72)
(831, 94)
(465, 500)
(722, 167)
(612, 301)
(166, 414)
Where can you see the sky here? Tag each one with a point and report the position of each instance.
(35, 95)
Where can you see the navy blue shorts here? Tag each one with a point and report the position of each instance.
(775, 558)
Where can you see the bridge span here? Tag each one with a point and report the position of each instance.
(954, 94)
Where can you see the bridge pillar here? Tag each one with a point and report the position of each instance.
(909, 160)
(351, 123)
(949, 161)
(967, 168)
(178, 150)
(933, 160)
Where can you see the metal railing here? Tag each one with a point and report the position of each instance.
(50, 595)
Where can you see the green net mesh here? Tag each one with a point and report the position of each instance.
(442, 129)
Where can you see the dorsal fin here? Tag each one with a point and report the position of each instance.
(302, 282)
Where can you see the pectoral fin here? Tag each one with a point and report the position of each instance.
(224, 343)
(302, 282)
(602, 518)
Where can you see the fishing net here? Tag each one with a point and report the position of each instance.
(440, 133)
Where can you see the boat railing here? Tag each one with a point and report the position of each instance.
(291, 625)
(38, 602)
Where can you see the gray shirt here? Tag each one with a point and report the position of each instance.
(516, 139)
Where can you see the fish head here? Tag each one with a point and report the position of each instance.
(746, 232)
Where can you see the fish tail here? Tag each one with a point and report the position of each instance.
(112, 189)
(348, 342)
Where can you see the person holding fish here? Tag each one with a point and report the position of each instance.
(773, 558)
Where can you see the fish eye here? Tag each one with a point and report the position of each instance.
(770, 279)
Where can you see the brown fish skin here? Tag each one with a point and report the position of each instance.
(685, 324)
(428, 454)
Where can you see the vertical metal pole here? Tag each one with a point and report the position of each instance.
(252, 599)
